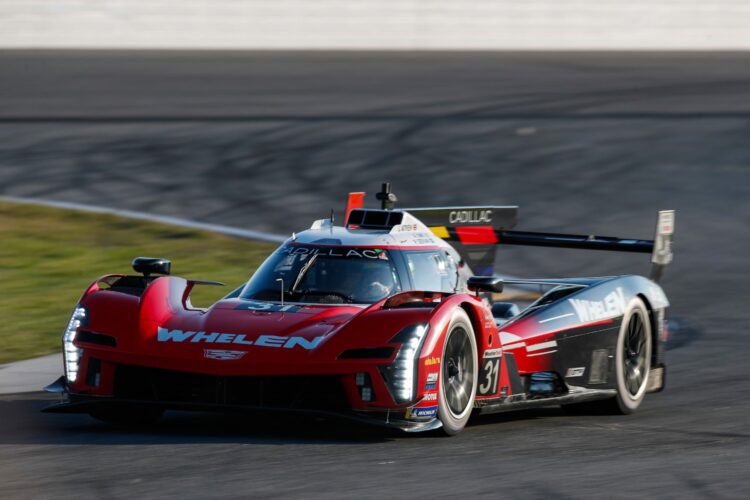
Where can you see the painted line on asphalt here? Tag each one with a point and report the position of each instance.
(164, 219)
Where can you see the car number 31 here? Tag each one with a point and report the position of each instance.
(489, 377)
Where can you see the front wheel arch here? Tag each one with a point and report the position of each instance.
(474, 318)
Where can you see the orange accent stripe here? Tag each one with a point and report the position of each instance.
(440, 232)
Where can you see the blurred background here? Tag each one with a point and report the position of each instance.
(590, 115)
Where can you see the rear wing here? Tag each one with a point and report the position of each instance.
(660, 247)
(475, 231)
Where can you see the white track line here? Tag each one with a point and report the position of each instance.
(164, 219)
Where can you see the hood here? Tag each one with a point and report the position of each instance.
(242, 323)
(264, 318)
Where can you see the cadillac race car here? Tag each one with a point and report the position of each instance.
(394, 318)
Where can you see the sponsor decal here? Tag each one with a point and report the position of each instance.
(164, 335)
(612, 306)
(427, 412)
(575, 372)
(469, 216)
(401, 228)
(266, 306)
(223, 355)
(666, 221)
(357, 253)
(493, 353)
(431, 383)
(432, 361)
(430, 396)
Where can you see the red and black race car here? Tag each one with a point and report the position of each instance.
(381, 320)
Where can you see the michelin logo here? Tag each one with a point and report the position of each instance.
(424, 412)
(164, 335)
(612, 306)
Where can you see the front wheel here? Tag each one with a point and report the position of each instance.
(458, 374)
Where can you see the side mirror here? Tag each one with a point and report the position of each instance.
(505, 310)
(151, 265)
(485, 284)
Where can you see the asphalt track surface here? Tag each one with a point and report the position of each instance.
(269, 141)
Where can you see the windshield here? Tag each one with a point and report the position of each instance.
(326, 275)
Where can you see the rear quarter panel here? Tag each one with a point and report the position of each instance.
(575, 336)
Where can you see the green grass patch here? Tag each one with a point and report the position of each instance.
(49, 256)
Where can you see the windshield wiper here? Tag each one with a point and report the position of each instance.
(302, 273)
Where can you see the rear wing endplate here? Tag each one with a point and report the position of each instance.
(661, 253)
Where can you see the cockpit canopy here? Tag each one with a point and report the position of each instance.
(350, 275)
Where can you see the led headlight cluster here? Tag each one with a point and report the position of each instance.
(72, 354)
(400, 376)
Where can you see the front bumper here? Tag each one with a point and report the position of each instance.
(318, 398)
(391, 420)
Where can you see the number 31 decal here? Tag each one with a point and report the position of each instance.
(489, 376)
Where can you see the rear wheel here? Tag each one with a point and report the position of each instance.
(458, 374)
(633, 357)
(127, 414)
(632, 364)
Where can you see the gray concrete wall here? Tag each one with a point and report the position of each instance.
(377, 24)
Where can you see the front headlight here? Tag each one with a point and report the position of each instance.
(72, 354)
(400, 376)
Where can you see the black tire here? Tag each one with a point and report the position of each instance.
(459, 372)
(127, 415)
(632, 365)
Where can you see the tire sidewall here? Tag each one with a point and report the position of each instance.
(626, 401)
(453, 424)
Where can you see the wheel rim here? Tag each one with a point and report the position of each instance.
(458, 369)
(634, 355)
